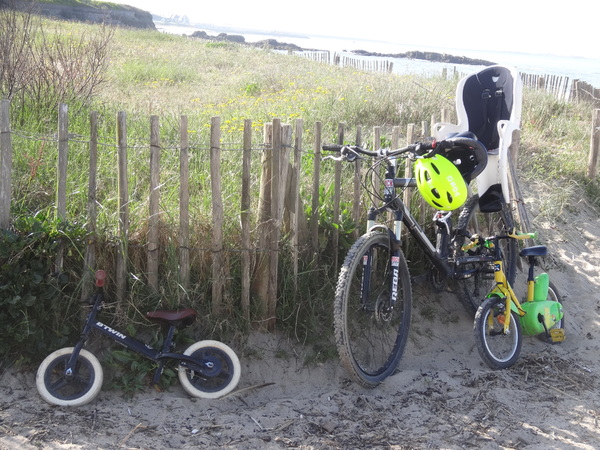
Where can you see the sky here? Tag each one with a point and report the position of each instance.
(528, 26)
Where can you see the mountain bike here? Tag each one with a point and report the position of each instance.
(73, 376)
(501, 321)
(373, 299)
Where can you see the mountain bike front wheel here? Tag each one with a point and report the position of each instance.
(372, 309)
(497, 348)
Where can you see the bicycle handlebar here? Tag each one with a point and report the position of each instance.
(475, 239)
(522, 236)
(419, 149)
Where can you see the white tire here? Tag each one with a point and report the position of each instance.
(216, 382)
(84, 385)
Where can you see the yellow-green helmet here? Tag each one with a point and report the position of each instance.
(440, 183)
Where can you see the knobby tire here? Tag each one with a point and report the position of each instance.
(370, 338)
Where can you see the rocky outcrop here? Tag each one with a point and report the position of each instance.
(429, 56)
(223, 37)
(118, 15)
(265, 43)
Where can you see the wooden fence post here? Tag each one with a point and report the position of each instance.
(260, 284)
(184, 208)
(89, 260)
(274, 224)
(154, 206)
(594, 145)
(375, 177)
(357, 191)
(61, 186)
(410, 139)
(337, 190)
(218, 269)
(245, 219)
(297, 222)
(123, 206)
(6, 164)
(314, 218)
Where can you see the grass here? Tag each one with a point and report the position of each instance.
(151, 73)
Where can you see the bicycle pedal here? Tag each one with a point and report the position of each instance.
(557, 334)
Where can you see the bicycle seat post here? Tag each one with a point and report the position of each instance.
(531, 253)
(167, 344)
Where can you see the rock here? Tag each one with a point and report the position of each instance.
(119, 15)
(428, 56)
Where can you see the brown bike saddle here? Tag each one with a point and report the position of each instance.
(183, 317)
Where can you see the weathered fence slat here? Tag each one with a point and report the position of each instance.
(123, 206)
(260, 284)
(296, 225)
(89, 259)
(61, 184)
(6, 153)
(594, 145)
(274, 224)
(410, 139)
(337, 191)
(184, 209)
(154, 206)
(357, 188)
(245, 214)
(218, 267)
(314, 219)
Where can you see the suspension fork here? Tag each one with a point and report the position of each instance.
(394, 262)
(395, 247)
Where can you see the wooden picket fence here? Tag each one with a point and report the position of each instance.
(279, 216)
(280, 210)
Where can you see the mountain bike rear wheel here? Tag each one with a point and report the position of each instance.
(475, 287)
(372, 309)
(498, 349)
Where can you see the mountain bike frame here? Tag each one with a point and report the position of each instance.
(438, 255)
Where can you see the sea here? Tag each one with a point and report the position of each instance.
(573, 67)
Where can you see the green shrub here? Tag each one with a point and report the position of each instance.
(37, 311)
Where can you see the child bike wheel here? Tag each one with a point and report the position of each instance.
(370, 335)
(217, 378)
(498, 350)
(78, 389)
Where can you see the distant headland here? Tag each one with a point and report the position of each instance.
(276, 45)
(428, 56)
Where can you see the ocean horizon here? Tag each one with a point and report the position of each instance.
(573, 67)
